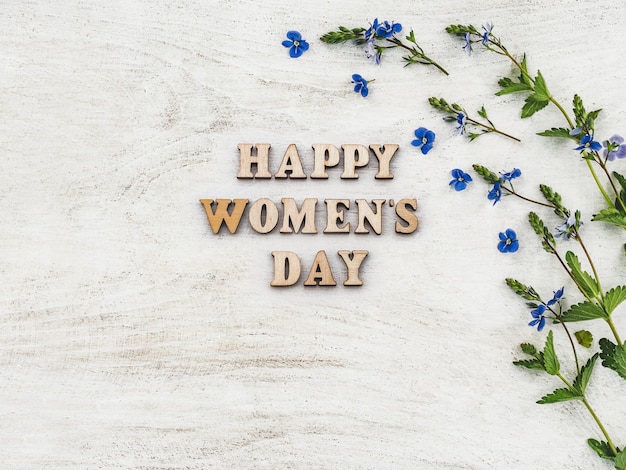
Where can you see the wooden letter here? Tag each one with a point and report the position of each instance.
(306, 215)
(375, 219)
(334, 215)
(350, 160)
(321, 162)
(320, 270)
(291, 163)
(384, 158)
(256, 216)
(261, 159)
(287, 268)
(353, 260)
(409, 217)
(221, 213)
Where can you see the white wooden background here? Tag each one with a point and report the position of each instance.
(133, 337)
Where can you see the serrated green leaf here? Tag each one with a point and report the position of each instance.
(613, 356)
(620, 460)
(550, 359)
(533, 104)
(533, 364)
(620, 179)
(541, 89)
(580, 384)
(556, 132)
(559, 395)
(582, 312)
(513, 87)
(611, 216)
(601, 448)
(584, 338)
(614, 297)
(586, 283)
(529, 349)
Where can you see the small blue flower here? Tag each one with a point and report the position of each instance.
(386, 30)
(587, 143)
(515, 173)
(488, 27)
(495, 193)
(508, 241)
(614, 148)
(371, 52)
(556, 297)
(568, 228)
(371, 31)
(425, 139)
(460, 179)
(467, 45)
(360, 85)
(296, 44)
(539, 317)
(461, 119)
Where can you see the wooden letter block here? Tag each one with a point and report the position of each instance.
(326, 155)
(407, 216)
(221, 215)
(261, 159)
(353, 260)
(334, 215)
(291, 215)
(354, 155)
(263, 215)
(365, 212)
(291, 163)
(287, 268)
(384, 159)
(320, 271)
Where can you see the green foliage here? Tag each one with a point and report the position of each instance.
(584, 120)
(582, 312)
(557, 132)
(489, 176)
(343, 35)
(559, 395)
(613, 298)
(584, 338)
(529, 349)
(540, 229)
(441, 104)
(620, 460)
(601, 448)
(586, 283)
(482, 112)
(550, 359)
(527, 293)
(612, 216)
(554, 198)
(533, 364)
(460, 30)
(580, 384)
(613, 356)
(533, 104)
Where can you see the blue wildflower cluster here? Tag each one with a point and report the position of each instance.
(539, 313)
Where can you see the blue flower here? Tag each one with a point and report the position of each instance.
(556, 297)
(614, 148)
(461, 119)
(539, 317)
(488, 27)
(460, 179)
(425, 139)
(510, 175)
(386, 30)
(467, 46)
(587, 143)
(296, 44)
(371, 31)
(360, 85)
(508, 241)
(568, 228)
(496, 193)
(371, 52)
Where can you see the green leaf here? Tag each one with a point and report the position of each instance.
(582, 312)
(483, 113)
(611, 216)
(613, 298)
(541, 89)
(580, 384)
(533, 104)
(613, 356)
(584, 338)
(601, 448)
(620, 460)
(524, 76)
(620, 179)
(557, 132)
(550, 360)
(489, 176)
(533, 364)
(527, 293)
(586, 283)
(560, 394)
(529, 349)
(512, 87)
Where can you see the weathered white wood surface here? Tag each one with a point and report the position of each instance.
(131, 336)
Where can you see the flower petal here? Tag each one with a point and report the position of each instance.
(514, 246)
(426, 147)
(287, 43)
(364, 91)
(460, 185)
(304, 45)
(295, 52)
(294, 35)
(420, 132)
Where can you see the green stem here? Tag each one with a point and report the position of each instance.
(614, 330)
(593, 266)
(421, 55)
(595, 177)
(492, 129)
(513, 193)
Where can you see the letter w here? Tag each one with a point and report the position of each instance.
(221, 214)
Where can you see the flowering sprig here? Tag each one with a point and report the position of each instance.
(378, 38)
(458, 115)
(580, 127)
